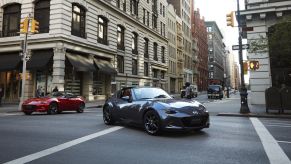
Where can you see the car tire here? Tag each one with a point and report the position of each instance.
(81, 108)
(107, 117)
(53, 108)
(151, 122)
(27, 113)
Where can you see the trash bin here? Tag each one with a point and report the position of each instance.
(273, 99)
(286, 98)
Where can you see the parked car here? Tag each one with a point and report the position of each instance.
(154, 110)
(54, 103)
(215, 91)
(194, 91)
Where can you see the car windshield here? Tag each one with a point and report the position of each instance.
(213, 88)
(56, 94)
(150, 93)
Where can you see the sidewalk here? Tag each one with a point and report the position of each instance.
(255, 110)
(13, 107)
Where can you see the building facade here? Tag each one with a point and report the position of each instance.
(182, 8)
(199, 32)
(85, 47)
(216, 54)
(261, 15)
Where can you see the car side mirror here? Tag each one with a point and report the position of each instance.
(127, 98)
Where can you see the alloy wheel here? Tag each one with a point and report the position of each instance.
(151, 123)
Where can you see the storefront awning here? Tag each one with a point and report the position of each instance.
(81, 63)
(105, 66)
(9, 61)
(39, 59)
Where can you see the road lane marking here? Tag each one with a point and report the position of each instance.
(273, 150)
(282, 126)
(63, 146)
(284, 142)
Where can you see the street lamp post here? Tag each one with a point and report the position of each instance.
(243, 91)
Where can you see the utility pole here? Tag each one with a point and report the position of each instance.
(243, 91)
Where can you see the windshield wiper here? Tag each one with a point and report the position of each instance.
(161, 96)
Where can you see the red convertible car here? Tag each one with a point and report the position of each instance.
(54, 103)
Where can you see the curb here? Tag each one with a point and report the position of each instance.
(254, 115)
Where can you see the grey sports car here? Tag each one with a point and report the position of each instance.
(155, 110)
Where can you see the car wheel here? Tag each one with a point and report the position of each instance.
(27, 113)
(107, 117)
(151, 123)
(81, 108)
(53, 108)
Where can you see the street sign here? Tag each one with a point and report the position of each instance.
(244, 46)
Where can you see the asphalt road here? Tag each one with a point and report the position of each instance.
(83, 138)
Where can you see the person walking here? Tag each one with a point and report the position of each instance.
(1, 94)
(38, 92)
(188, 90)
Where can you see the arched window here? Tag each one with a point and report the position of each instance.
(11, 20)
(134, 43)
(78, 21)
(120, 37)
(102, 30)
(42, 15)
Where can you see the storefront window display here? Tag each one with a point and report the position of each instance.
(73, 80)
(98, 84)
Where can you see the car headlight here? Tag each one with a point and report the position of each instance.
(170, 111)
(202, 108)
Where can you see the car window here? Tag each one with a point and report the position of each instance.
(150, 93)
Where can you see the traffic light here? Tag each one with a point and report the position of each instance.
(24, 26)
(34, 26)
(230, 19)
(246, 67)
(254, 65)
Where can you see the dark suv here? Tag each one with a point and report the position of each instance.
(215, 91)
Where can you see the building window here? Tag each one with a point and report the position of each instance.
(209, 29)
(118, 3)
(134, 66)
(162, 74)
(124, 5)
(161, 27)
(144, 16)
(164, 27)
(163, 54)
(155, 73)
(134, 42)
(102, 30)
(146, 69)
(120, 37)
(42, 15)
(146, 47)
(120, 64)
(163, 11)
(148, 18)
(155, 51)
(134, 7)
(11, 20)
(154, 21)
(161, 8)
(78, 21)
(210, 36)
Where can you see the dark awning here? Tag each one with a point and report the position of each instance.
(39, 59)
(105, 66)
(81, 63)
(9, 61)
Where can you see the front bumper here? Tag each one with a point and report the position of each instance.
(176, 122)
(35, 108)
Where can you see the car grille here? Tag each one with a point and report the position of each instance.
(194, 121)
(28, 107)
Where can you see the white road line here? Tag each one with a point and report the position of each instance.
(284, 142)
(273, 150)
(63, 146)
(282, 126)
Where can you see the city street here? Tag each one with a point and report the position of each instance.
(84, 138)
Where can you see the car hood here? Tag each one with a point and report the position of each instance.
(179, 104)
(36, 100)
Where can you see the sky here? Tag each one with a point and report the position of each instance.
(216, 10)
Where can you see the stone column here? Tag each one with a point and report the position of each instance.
(59, 68)
(87, 87)
(29, 89)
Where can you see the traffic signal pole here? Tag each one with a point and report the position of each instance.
(243, 91)
(24, 60)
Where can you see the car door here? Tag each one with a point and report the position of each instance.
(63, 102)
(122, 104)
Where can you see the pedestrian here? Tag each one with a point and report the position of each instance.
(38, 92)
(188, 90)
(56, 89)
(1, 94)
